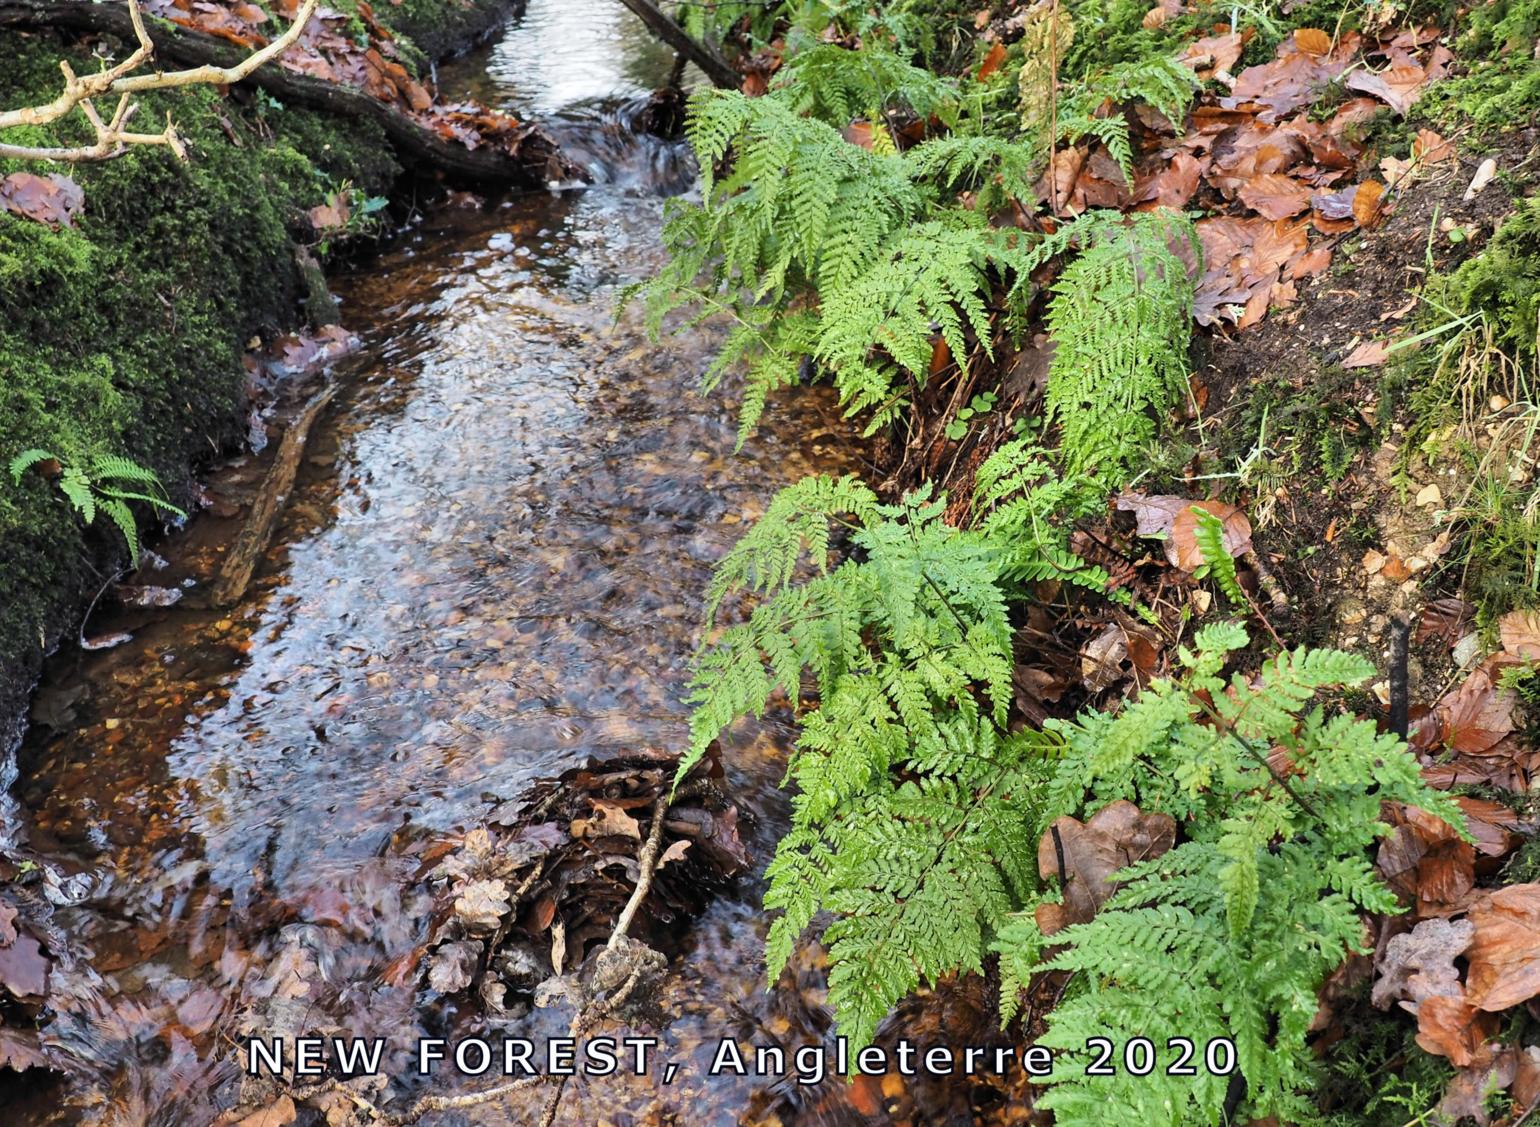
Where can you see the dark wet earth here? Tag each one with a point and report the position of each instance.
(490, 571)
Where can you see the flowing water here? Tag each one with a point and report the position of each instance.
(489, 571)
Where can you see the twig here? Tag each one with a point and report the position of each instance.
(241, 564)
(647, 861)
(112, 137)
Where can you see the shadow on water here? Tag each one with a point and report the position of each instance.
(490, 570)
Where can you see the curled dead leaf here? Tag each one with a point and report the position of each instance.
(1086, 855)
(1504, 956)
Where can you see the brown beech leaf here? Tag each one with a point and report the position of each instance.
(1369, 354)
(1465, 1099)
(1213, 53)
(1427, 863)
(1526, 1079)
(1087, 854)
(1430, 148)
(1366, 203)
(1504, 956)
(52, 199)
(1311, 263)
(992, 61)
(1453, 1028)
(1312, 41)
(1520, 633)
(609, 820)
(1398, 87)
(1445, 620)
(1478, 714)
(1236, 533)
(1172, 185)
(1419, 965)
(1275, 196)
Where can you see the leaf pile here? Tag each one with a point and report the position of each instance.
(1260, 165)
(523, 899)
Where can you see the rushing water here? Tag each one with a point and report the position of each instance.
(490, 569)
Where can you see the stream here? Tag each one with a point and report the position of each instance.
(490, 570)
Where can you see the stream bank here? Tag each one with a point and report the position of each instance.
(127, 331)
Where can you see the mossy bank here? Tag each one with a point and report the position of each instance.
(124, 333)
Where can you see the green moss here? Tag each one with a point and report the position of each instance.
(1500, 89)
(124, 334)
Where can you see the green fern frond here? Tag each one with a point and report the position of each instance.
(25, 461)
(1218, 564)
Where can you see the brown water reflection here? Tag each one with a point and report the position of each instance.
(490, 569)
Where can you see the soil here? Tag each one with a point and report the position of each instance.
(1315, 530)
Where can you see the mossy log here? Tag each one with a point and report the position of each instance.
(533, 162)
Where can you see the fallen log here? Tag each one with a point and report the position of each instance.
(533, 162)
(712, 65)
(241, 564)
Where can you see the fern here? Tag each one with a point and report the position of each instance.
(1121, 319)
(105, 483)
(996, 170)
(835, 85)
(1279, 805)
(1217, 561)
(1160, 82)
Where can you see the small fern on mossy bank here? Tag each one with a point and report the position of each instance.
(102, 483)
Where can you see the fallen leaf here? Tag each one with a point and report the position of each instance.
(24, 967)
(1478, 714)
(1445, 620)
(1275, 196)
(482, 904)
(52, 199)
(1430, 148)
(1504, 956)
(1369, 354)
(280, 1113)
(1420, 964)
(1366, 203)
(1468, 1093)
(992, 61)
(1102, 657)
(1398, 87)
(609, 820)
(453, 966)
(1086, 855)
(1526, 1079)
(1453, 1028)
(674, 852)
(1520, 633)
(1236, 535)
(1312, 41)
(1427, 863)
(1311, 263)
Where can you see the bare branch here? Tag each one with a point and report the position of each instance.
(121, 79)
